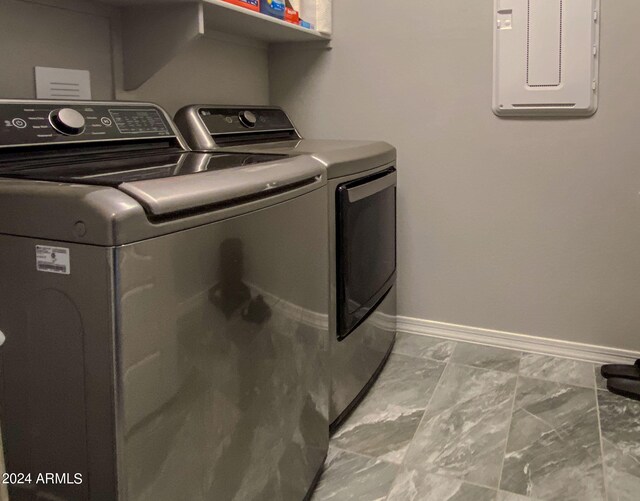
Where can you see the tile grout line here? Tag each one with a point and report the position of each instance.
(506, 348)
(363, 456)
(556, 382)
(590, 364)
(604, 469)
(538, 418)
(522, 352)
(435, 388)
(513, 406)
(445, 337)
(402, 463)
(467, 482)
(414, 357)
(517, 372)
(431, 359)
(484, 368)
(368, 458)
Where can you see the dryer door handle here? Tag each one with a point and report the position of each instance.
(366, 190)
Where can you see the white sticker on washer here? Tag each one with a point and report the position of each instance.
(53, 259)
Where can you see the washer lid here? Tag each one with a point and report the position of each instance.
(146, 208)
(170, 183)
(114, 169)
(212, 188)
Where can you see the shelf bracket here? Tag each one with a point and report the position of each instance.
(154, 34)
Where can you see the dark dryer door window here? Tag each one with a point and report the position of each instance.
(366, 246)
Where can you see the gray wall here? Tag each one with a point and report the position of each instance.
(35, 34)
(529, 226)
(218, 72)
(82, 34)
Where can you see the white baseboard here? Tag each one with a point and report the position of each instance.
(513, 341)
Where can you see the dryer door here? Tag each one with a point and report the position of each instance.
(366, 246)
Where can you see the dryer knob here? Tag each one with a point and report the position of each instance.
(67, 121)
(248, 118)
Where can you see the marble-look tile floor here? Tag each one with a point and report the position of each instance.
(453, 421)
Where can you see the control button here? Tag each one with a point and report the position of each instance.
(80, 228)
(67, 121)
(247, 118)
(106, 121)
(19, 123)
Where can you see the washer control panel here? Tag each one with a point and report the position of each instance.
(32, 123)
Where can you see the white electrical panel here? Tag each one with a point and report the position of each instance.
(545, 58)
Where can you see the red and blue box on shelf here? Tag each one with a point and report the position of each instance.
(248, 4)
(275, 8)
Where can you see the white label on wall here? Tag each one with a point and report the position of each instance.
(60, 83)
(546, 57)
(53, 259)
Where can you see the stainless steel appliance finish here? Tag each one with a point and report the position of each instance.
(166, 326)
(357, 357)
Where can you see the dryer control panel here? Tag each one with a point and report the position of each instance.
(209, 127)
(24, 123)
(239, 120)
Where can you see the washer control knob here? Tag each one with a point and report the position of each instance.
(67, 121)
(248, 118)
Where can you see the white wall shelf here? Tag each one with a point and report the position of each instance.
(228, 18)
(153, 33)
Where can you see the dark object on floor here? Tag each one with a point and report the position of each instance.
(629, 388)
(625, 371)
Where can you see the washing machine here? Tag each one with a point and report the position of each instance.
(164, 313)
(362, 232)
